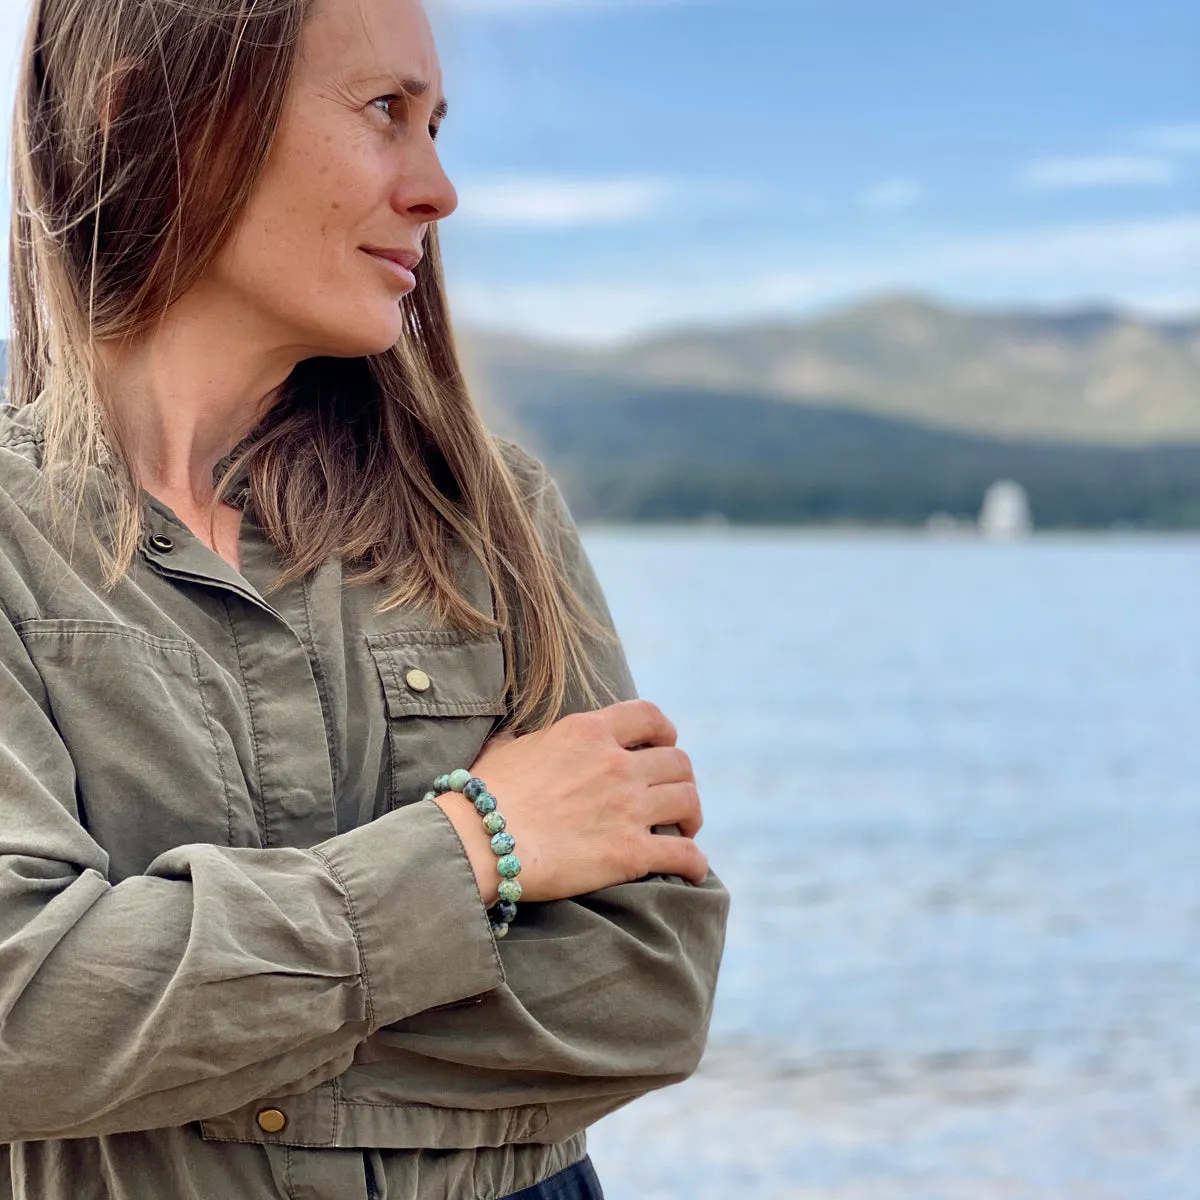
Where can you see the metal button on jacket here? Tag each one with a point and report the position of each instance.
(162, 543)
(418, 680)
(271, 1120)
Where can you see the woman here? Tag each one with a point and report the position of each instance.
(265, 578)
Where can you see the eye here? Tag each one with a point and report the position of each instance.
(385, 104)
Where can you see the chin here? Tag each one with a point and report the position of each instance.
(376, 333)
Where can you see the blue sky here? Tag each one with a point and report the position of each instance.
(628, 166)
(625, 166)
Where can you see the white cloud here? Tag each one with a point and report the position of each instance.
(544, 201)
(1145, 246)
(1058, 174)
(1149, 264)
(890, 195)
(548, 201)
(1174, 139)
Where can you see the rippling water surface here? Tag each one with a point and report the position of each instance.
(955, 791)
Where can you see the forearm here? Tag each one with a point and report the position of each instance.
(223, 974)
(607, 996)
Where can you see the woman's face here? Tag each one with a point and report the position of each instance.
(352, 183)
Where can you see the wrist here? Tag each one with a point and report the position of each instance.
(462, 815)
(501, 843)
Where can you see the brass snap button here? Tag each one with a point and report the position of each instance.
(162, 543)
(418, 681)
(271, 1120)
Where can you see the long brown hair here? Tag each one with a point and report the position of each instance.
(139, 133)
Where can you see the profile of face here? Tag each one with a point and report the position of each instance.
(326, 247)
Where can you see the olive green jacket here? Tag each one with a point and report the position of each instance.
(221, 893)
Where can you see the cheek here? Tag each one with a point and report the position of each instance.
(297, 258)
(312, 213)
(320, 213)
(348, 207)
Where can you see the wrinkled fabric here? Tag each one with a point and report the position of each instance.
(577, 1182)
(221, 891)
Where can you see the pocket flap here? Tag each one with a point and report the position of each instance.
(440, 673)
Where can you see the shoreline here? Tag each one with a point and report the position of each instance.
(917, 533)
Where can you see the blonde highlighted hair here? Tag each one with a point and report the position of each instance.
(141, 127)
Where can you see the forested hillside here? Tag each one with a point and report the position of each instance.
(887, 413)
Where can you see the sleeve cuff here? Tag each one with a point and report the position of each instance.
(423, 934)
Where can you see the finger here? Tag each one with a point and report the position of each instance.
(675, 804)
(639, 723)
(663, 764)
(678, 856)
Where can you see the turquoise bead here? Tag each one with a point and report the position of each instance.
(510, 890)
(509, 866)
(485, 803)
(474, 789)
(430, 796)
(459, 779)
(441, 784)
(506, 910)
(500, 931)
(503, 843)
(494, 822)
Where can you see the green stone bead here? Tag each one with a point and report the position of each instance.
(474, 789)
(441, 784)
(509, 866)
(485, 804)
(510, 890)
(503, 843)
(494, 823)
(459, 779)
(500, 931)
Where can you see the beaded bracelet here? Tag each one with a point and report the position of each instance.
(503, 843)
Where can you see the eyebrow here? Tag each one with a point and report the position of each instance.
(413, 88)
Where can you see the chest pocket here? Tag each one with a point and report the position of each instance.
(153, 768)
(444, 694)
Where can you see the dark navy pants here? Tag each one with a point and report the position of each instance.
(575, 1183)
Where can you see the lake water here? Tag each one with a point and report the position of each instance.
(954, 789)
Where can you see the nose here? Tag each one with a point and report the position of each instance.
(424, 189)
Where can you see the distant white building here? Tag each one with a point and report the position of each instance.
(1006, 513)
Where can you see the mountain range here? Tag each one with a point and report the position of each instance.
(887, 411)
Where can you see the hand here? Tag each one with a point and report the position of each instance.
(581, 798)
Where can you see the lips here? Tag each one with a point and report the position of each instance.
(408, 259)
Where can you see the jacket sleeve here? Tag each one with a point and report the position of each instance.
(219, 975)
(607, 996)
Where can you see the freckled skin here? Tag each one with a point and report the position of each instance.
(344, 173)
